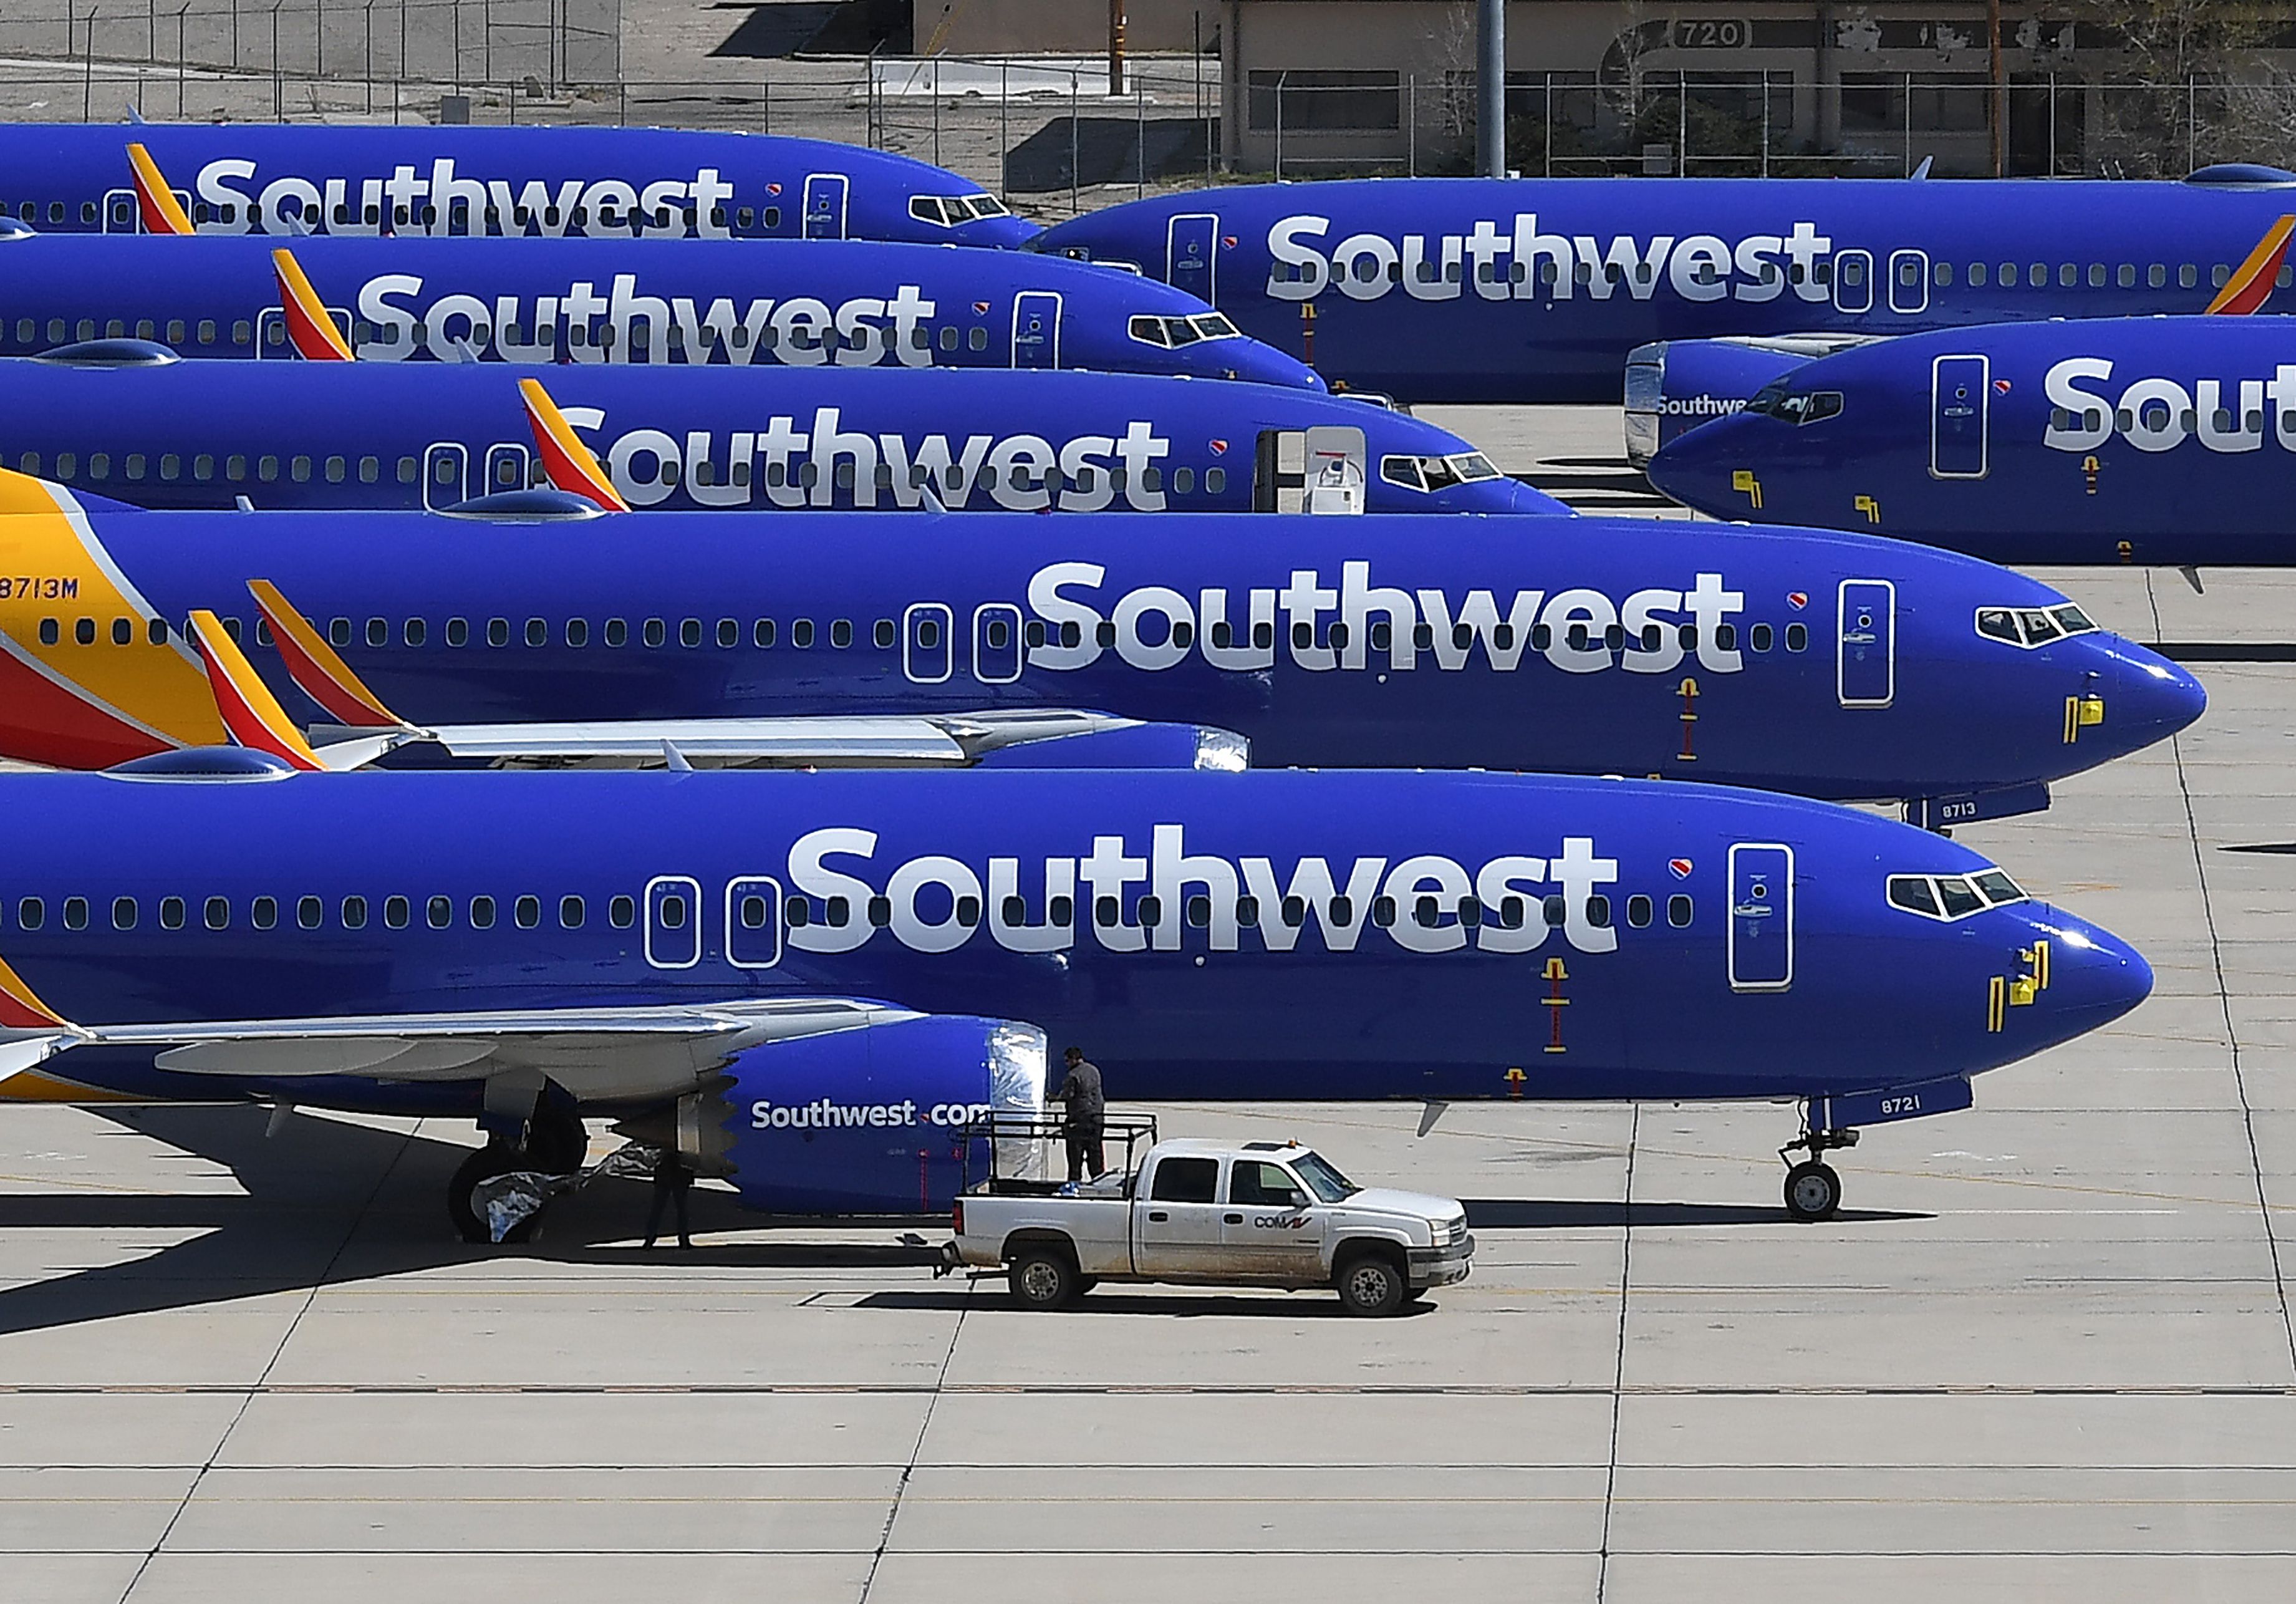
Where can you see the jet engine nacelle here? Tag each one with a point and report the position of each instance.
(871, 1121)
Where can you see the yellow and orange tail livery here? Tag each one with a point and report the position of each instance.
(252, 714)
(310, 328)
(163, 213)
(2251, 284)
(571, 464)
(314, 665)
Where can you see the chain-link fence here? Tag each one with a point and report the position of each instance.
(1054, 136)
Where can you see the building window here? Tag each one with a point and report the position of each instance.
(1326, 101)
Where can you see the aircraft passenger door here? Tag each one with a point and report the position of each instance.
(506, 469)
(673, 922)
(1909, 282)
(996, 657)
(1188, 241)
(1761, 917)
(1960, 402)
(446, 469)
(1036, 329)
(271, 331)
(824, 205)
(753, 922)
(1178, 1225)
(927, 657)
(1853, 281)
(121, 215)
(1866, 664)
(1334, 469)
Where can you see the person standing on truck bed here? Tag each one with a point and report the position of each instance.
(1085, 1111)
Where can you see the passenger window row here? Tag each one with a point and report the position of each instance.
(236, 468)
(1428, 911)
(807, 475)
(30, 330)
(2155, 414)
(318, 913)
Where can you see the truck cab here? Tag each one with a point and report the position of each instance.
(1273, 1213)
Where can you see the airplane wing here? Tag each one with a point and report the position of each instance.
(637, 1053)
(368, 730)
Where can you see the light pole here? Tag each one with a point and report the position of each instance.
(88, 70)
(1490, 88)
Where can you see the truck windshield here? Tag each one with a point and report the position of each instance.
(1324, 1178)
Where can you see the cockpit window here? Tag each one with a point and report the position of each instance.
(1773, 399)
(2032, 626)
(1171, 333)
(1950, 897)
(949, 210)
(1428, 473)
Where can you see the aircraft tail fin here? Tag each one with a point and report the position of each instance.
(250, 713)
(2253, 281)
(314, 666)
(308, 325)
(22, 1009)
(163, 213)
(571, 464)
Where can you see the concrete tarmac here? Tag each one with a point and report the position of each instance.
(2046, 1353)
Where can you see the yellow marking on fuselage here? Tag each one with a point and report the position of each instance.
(52, 565)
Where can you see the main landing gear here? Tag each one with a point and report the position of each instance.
(552, 1140)
(1813, 1190)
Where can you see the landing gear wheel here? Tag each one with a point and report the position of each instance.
(1813, 1191)
(1042, 1277)
(495, 1158)
(1371, 1285)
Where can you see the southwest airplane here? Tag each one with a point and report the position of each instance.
(2156, 440)
(1832, 665)
(847, 304)
(1535, 290)
(316, 178)
(129, 420)
(814, 983)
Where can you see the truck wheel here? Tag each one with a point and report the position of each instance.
(1370, 1284)
(1042, 1277)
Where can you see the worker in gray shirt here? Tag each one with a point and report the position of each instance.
(1085, 1110)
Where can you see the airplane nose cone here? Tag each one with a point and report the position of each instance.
(1260, 364)
(1686, 468)
(1005, 233)
(2149, 698)
(2093, 977)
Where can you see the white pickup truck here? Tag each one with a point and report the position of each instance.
(1253, 1213)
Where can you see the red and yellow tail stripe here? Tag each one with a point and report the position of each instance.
(571, 464)
(162, 212)
(314, 664)
(308, 325)
(250, 713)
(129, 688)
(2251, 285)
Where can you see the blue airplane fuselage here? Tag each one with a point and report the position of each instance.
(380, 435)
(2156, 440)
(1535, 290)
(288, 181)
(1827, 664)
(851, 303)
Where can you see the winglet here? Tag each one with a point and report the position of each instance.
(22, 1009)
(314, 665)
(2251, 284)
(308, 326)
(162, 212)
(251, 712)
(569, 463)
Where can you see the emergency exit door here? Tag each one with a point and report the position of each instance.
(1036, 329)
(1188, 253)
(1866, 664)
(1761, 917)
(1960, 391)
(825, 206)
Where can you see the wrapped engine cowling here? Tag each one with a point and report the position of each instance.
(870, 1121)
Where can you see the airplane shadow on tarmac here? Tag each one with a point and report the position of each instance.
(328, 1202)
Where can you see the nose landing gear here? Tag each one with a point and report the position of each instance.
(1813, 1191)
